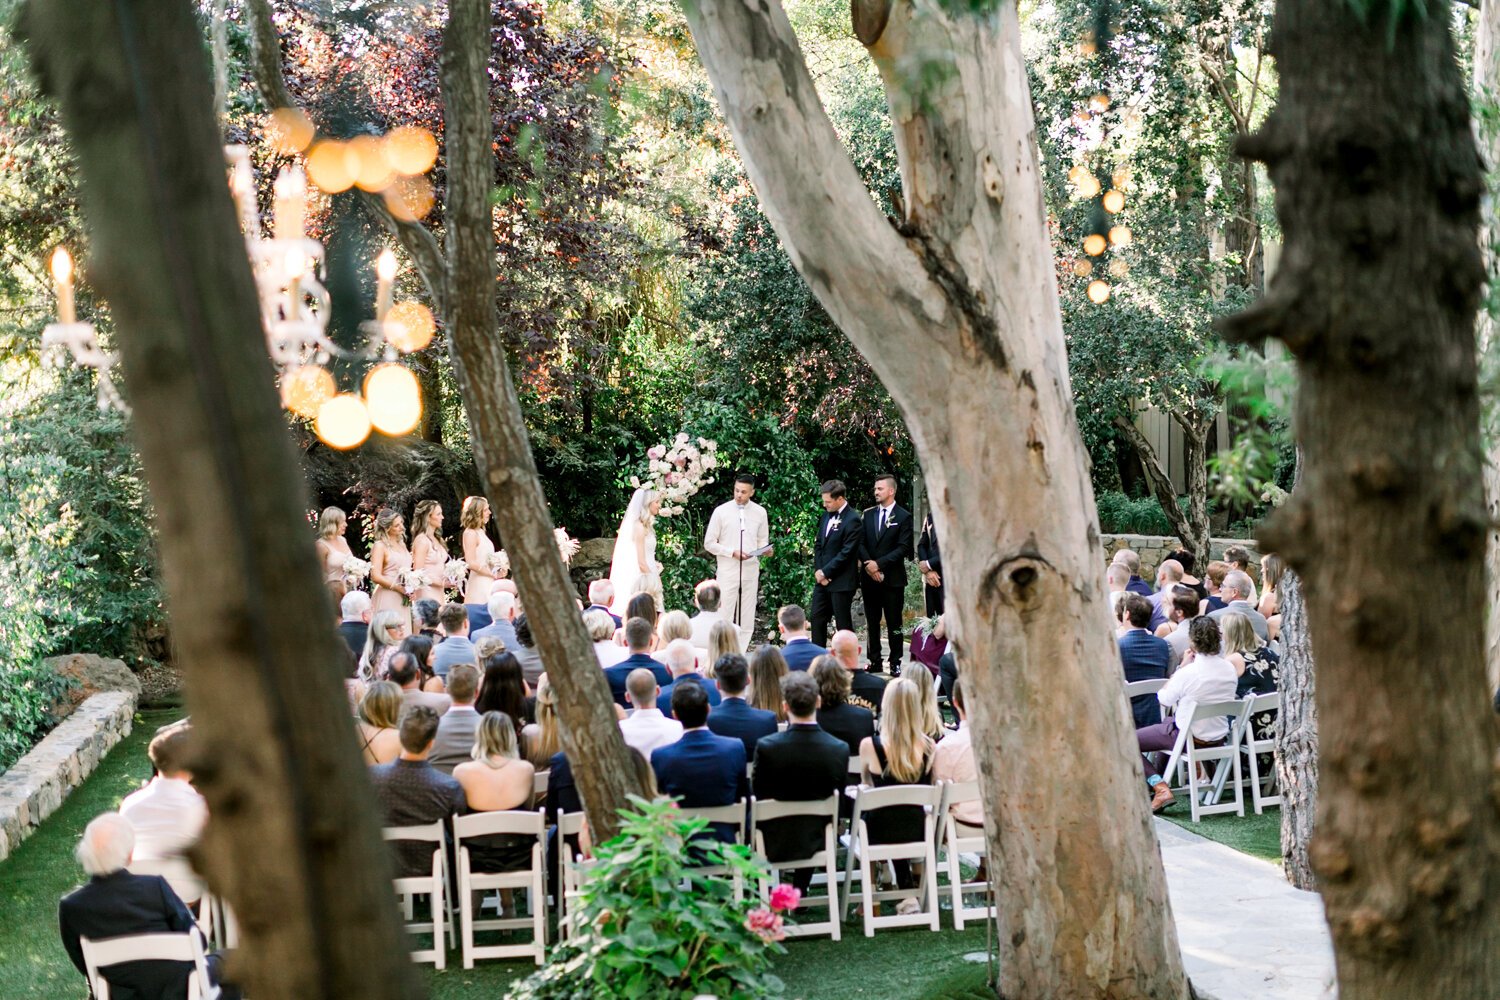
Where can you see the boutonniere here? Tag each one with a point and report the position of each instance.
(837, 520)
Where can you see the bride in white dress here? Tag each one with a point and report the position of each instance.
(634, 569)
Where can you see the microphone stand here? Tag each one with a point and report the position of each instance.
(739, 595)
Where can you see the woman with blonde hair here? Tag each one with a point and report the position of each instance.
(387, 629)
(767, 668)
(478, 550)
(333, 550)
(1259, 669)
(429, 553)
(1271, 569)
(601, 628)
(543, 738)
(379, 717)
(723, 638)
(390, 560)
(497, 779)
(673, 625)
(932, 716)
(899, 754)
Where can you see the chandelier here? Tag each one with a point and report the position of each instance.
(289, 268)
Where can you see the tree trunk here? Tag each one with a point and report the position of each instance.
(1190, 525)
(956, 309)
(1296, 736)
(1376, 299)
(1486, 83)
(292, 841)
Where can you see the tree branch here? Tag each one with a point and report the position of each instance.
(1156, 476)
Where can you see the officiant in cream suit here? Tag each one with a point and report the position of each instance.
(738, 535)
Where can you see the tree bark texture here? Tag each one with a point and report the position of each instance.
(1191, 525)
(292, 842)
(955, 306)
(1378, 185)
(1296, 736)
(1487, 90)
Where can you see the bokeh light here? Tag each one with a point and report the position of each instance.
(1098, 291)
(1114, 201)
(409, 198)
(393, 399)
(289, 131)
(304, 390)
(371, 170)
(328, 166)
(1083, 268)
(409, 326)
(1094, 244)
(1120, 236)
(343, 422)
(410, 150)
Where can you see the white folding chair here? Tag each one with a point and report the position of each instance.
(1204, 793)
(863, 853)
(434, 886)
(187, 947)
(1256, 743)
(825, 860)
(532, 825)
(962, 838)
(1134, 689)
(539, 782)
(734, 813)
(178, 872)
(572, 866)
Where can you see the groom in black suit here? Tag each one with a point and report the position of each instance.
(888, 544)
(836, 557)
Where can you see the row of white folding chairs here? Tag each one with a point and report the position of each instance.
(185, 947)
(215, 918)
(1243, 742)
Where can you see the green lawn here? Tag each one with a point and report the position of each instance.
(1257, 836)
(42, 870)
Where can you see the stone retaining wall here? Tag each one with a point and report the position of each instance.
(1154, 548)
(37, 784)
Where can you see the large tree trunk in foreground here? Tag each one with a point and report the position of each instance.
(956, 309)
(1296, 736)
(592, 739)
(293, 842)
(1378, 185)
(1487, 89)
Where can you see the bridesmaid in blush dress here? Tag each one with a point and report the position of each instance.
(389, 558)
(429, 554)
(333, 550)
(477, 552)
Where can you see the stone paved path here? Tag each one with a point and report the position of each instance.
(1245, 933)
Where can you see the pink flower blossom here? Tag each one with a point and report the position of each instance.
(656, 452)
(785, 897)
(767, 925)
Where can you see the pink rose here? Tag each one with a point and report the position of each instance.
(765, 924)
(655, 452)
(785, 897)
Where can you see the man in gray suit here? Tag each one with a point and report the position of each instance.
(454, 743)
(502, 608)
(1235, 591)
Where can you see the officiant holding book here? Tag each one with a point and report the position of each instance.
(738, 535)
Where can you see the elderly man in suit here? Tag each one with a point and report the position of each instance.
(803, 764)
(455, 736)
(888, 545)
(836, 557)
(1236, 591)
(701, 768)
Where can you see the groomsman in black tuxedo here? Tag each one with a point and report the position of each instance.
(888, 535)
(930, 562)
(836, 558)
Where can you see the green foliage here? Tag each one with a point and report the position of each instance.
(1123, 515)
(644, 935)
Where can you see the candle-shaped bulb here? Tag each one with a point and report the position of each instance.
(385, 270)
(385, 265)
(290, 193)
(62, 276)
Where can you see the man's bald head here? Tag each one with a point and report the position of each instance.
(641, 687)
(845, 646)
(1168, 573)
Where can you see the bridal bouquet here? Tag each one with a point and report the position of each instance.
(455, 573)
(678, 471)
(414, 580)
(567, 547)
(499, 563)
(355, 570)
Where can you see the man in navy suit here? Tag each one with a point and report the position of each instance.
(888, 545)
(836, 556)
(1144, 657)
(733, 716)
(701, 769)
(930, 562)
(682, 660)
(800, 650)
(638, 634)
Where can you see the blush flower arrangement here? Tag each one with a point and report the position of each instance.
(678, 470)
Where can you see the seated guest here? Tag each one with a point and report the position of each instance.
(723, 639)
(682, 659)
(495, 779)
(646, 728)
(639, 634)
(803, 764)
(503, 688)
(542, 738)
(836, 716)
(1116, 579)
(1181, 610)
(706, 597)
(928, 645)
(954, 760)
(865, 689)
(422, 649)
(799, 650)
(1238, 558)
(1205, 677)
(734, 716)
(1236, 592)
(1271, 570)
(947, 674)
(899, 754)
(1259, 668)
(1168, 575)
(167, 815)
(456, 648)
(455, 736)
(767, 668)
(1132, 561)
(526, 652)
(387, 629)
(424, 614)
(403, 670)
(601, 629)
(355, 624)
(1143, 657)
(379, 717)
(502, 609)
(1215, 576)
(601, 595)
(412, 792)
(672, 626)
(116, 903)
(932, 716)
(1184, 558)
(642, 606)
(701, 768)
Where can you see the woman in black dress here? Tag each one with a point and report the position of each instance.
(899, 754)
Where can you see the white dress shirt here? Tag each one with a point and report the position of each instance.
(723, 534)
(1205, 680)
(168, 815)
(610, 652)
(647, 728)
